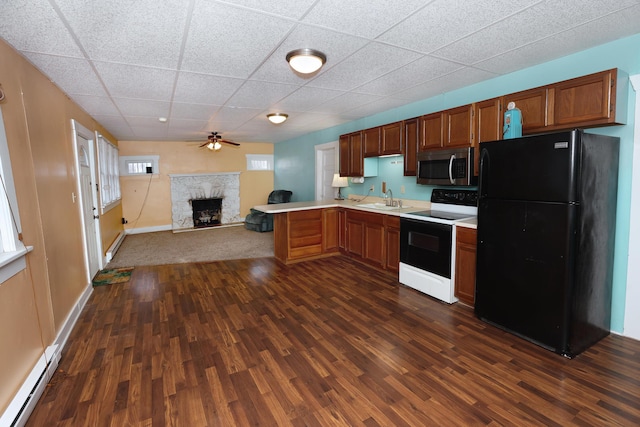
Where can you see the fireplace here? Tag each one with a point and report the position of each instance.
(206, 212)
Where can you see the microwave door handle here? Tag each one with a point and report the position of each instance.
(453, 157)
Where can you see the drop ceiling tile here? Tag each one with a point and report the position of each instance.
(73, 75)
(232, 116)
(142, 32)
(369, 63)
(445, 21)
(96, 105)
(364, 18)
(255, 94)
(205, 89)
(305, 99)
(336, 46)
(129, 81)
(376, 107)
(460, 78)
(142, 107)
(289, 8)
(346, 102)
(116, 125)
(524, 28)
(185, 125)
(229, 41)
(424, 69)
(44, 33)
(149, 122)
(147, 133)
(192, 111)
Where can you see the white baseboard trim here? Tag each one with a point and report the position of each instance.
(114, 247)
(21, 406)
(148, 229)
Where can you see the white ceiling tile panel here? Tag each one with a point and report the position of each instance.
(259, 94)
(205, 89)
(113, 123)
(229, 41)
(182, 124)
(141, 32)
(44, 33)
(192, 111)
(73, 75)
(97, 105)
(233, 115)
(305, 99)
(142, 107)
(524, 28)
(290, 8)
(336, 46)
(375, 107)
(459, 78)
(369, 63)
(366, 18)
(129, 81)
(445, 21)
(422, 70)
(346, 102)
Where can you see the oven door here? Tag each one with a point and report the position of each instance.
(426, 245)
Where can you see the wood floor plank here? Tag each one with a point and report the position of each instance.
(329, 342)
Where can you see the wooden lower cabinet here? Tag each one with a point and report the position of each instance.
(303, 235)
(373, 238)
(392, 241)
(465, 280)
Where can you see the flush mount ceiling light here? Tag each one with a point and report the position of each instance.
(277, 118)
(306, 61)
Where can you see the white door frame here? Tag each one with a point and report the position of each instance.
(631, 327)
(329, 148)
(79, 130)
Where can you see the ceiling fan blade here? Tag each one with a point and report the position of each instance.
(230, 142)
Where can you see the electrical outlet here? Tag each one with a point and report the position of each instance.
(402, 189)
(372, 188)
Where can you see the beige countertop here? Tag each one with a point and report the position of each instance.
(408, 206)
(469, 222)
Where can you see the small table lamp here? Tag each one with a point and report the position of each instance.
(339, 182)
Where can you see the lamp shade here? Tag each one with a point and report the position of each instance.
(306, 61)
(339, 181)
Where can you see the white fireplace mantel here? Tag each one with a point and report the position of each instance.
(186, 187)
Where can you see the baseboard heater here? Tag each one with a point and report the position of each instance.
(115, 246)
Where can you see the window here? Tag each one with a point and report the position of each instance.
(138, 165)
(109, 176)
(259, 162)
(12, 250)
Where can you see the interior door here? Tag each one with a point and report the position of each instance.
(326, 162)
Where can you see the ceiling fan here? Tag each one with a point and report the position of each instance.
(215, 141)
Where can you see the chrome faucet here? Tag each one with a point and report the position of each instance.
(389, 201)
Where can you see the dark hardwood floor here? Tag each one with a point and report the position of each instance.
(326, 342)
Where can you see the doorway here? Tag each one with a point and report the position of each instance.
(85, 164)
(326, 161)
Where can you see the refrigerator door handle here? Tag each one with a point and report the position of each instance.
(453, 157)
(484, 170)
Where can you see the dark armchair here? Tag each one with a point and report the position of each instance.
(261, 221)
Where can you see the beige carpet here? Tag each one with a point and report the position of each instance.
(211, 244)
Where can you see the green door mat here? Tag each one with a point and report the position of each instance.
(109, 277)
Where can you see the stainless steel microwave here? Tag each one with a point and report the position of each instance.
(446, 167)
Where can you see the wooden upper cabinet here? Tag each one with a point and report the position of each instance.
(459, 127)
(585, 101)
(488, 125)
(392, 139)
(371, 142)
(532, 104)
(411, 133)
(351, 154)
(431, 127)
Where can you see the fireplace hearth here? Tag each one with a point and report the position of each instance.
(206, 212)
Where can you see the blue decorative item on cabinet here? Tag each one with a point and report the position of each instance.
(512, 122)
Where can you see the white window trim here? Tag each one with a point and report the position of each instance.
(153, 159)
(109, 175)
(254, 159)
(13, 261)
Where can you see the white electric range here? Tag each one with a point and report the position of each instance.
(427, 252)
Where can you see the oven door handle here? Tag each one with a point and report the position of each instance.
(453, 157)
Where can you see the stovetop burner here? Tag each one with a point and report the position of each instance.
(448, 206)
(442, 215)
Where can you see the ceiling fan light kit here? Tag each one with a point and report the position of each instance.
(306, 61)
(214, 142)
(277, 118)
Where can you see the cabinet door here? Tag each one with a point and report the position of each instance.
(374, 249)
(355, 237)
(465, 282)
(411, 131)
(532, 104)
(305, 233)
(431, 127)
(356, 158)
(392, 139)
(342, 229)
(585, 101)
(459, 126)
(392, 241)
(488, 123)
(330, 230)
(371, 142)
(344, 149)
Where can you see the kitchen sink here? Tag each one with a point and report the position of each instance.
(379, 206)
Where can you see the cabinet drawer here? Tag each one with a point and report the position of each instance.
(299, 242)
(305, 251)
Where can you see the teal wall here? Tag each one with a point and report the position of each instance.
(295, 159)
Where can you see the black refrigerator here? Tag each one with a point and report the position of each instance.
(546, 226)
